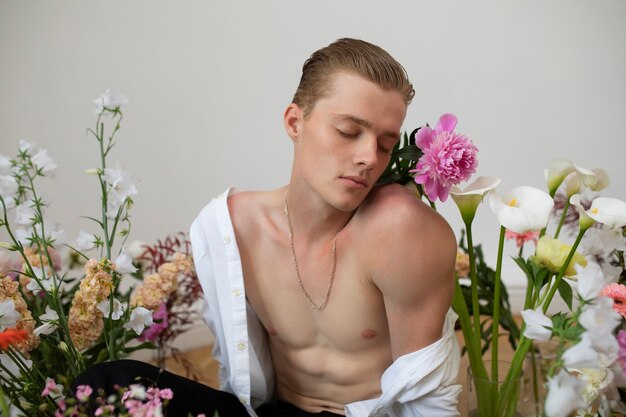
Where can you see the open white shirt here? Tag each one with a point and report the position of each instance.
(418, 384)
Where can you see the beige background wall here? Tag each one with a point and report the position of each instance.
(208, 81)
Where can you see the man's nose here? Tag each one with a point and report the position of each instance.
(367, 152)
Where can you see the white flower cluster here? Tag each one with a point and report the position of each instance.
(591, 371)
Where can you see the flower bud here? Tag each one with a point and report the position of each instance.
(63, 346)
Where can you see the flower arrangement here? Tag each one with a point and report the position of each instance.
(589, 367)
(54, 324)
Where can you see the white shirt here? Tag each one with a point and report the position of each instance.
(418, 384)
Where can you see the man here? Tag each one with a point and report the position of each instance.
(318, 290)
(328, 296)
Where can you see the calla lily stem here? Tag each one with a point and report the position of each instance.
(496, 317)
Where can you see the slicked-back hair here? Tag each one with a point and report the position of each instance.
(353, 56)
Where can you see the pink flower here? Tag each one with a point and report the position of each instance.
(160, 323)
(83, 392)
(448, 159)
(52, 389)
(618, 293)
(521, 238)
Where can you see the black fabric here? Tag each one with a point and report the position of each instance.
(190, 397)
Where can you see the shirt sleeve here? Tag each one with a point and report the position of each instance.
(419, 384)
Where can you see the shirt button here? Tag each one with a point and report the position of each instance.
(241, 346)
(236, 293)
(226, 238)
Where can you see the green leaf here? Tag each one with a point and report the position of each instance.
(565, 290)
(410, 152)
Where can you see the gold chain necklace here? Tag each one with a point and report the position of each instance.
(295, 263)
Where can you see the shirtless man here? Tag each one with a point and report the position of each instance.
(343, 276)
(330, 295)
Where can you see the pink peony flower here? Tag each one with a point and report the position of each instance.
(618, 293)
(160, 323)
(449, 158)
(521, 238)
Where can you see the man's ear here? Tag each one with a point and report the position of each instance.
(293, 118)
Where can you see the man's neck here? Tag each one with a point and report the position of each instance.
(311, 217)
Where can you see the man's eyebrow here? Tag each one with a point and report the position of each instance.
(365, 123)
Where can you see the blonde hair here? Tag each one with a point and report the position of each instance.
(352, 55)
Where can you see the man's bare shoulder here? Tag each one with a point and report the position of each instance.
(251, 211)
(395, 211)
(401, 238)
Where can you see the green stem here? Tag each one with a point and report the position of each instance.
(496, 316)
(558, 229)
(474, 281)
(559, 277)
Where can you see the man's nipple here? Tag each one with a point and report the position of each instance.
(368, 334)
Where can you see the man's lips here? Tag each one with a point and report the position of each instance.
(355, 181)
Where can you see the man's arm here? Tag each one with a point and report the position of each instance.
(412, 263)
(411, 254)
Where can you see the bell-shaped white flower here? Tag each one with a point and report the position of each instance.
(581, 355)
(111, 99)
(564, 395)
(556, 173)
(25, 146)
(8, 314)
(44, 163)
(25, 213)
(49, 322)
(605, 210)
(124, 263)
(468, 199)
(523, 209)
(46, 282)
(121, 187)
(599, 317)
(140, 317)
(84, 241)
(105, 308)
(538, 326)
(8, 186)
(591, 280)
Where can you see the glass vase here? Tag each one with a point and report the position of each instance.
(539, 359)
(487, 398)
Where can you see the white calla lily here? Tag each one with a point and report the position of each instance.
(605, 210)
(595, 179)
(556, 173)
(523, 209)
(468, 199)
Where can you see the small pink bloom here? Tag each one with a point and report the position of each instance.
(166, 394)
(83, 392)
(51, 388)
(521, 238)
(449, 158)
(618, 293)
(107, 407)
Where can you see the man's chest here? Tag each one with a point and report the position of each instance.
(353, 318)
